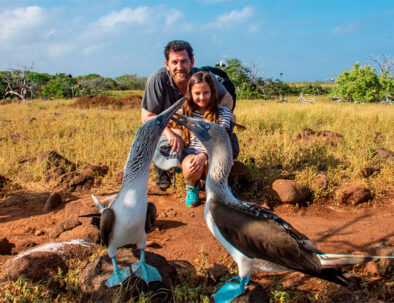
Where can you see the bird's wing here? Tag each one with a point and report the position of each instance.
(259, 233)
(106, 224)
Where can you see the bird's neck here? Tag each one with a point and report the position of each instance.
(220, 164)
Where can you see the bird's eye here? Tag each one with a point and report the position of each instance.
(158, 122)
(206, 126)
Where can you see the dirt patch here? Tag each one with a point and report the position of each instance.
(107, 101)
(180, 233)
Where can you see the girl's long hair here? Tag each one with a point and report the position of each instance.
(189, 106)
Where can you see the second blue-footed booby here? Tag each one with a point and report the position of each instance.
(123, 221)
(254, 236)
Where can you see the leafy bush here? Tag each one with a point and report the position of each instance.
(61, 86)
(313, 89)
(127, 82)
(3, 83)
(37, 80)
(362, 84)
(248, 86)
(93, 85)
(96, 82)
(387, 82)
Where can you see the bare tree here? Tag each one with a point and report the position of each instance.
(17, 84)
(383, 62)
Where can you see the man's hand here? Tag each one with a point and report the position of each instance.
(173, 139)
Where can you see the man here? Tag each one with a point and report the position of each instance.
(167, 85)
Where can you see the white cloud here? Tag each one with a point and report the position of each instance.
(15, 23)
(126, 16)
(59, 49)
(345, 29)
(173, 16)
(214, 1)
(254, 28)
(234, 18)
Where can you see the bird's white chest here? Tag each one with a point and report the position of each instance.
(131, 204)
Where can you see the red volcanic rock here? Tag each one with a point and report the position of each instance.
(352, 194)
(290, 191)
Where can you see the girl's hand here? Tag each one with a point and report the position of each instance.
(197, 163)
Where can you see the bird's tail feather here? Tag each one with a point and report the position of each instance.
(98, 203)
(339, 260)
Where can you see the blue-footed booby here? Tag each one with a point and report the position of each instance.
(254, 236)
(123, 221)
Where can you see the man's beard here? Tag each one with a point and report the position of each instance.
(181, 76)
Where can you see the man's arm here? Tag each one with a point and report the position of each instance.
(227, 101)
(146, 115)
(173, 140)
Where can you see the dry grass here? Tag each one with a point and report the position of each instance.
(103, 135)
(273, 126)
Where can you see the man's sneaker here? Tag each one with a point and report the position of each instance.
(163, 179)
(192, 198)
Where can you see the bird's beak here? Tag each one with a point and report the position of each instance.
(167, 114)
(194, 125)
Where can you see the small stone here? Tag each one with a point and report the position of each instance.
(171, 213)
(372, 268)
(5, 246)
(36, 266)
(321, 181)
(39, 233)
(216, 271)
(54, 201)
(368, 171)
(62, 227)
(385, 154)
(290, 191)
(239, 172)
(352, 194)
(154, 243)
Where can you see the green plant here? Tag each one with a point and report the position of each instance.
(61, 86)
(362, 84)
(202, 262)
(186, 293)
(128, 81)
(279, 296)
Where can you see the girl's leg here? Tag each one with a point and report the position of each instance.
(191, 178)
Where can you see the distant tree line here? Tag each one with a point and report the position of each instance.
(359, 84)
(25, 84)
(250, 86)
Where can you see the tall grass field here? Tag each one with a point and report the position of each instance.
(103, 135)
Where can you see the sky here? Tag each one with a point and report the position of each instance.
(304, 40)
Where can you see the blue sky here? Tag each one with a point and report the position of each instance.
(305, 40)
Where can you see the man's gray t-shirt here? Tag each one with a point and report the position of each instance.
(161, 91)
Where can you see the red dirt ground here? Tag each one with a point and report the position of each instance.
(181, 233)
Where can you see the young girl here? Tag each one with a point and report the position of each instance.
(202, 103)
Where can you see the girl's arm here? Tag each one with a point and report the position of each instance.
(224, 117)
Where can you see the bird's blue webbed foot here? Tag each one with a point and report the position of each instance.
(118, 276)
(145, 271)
(231, 289)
